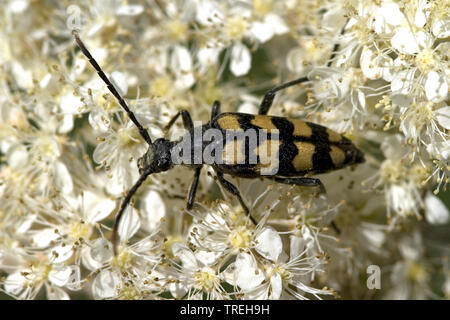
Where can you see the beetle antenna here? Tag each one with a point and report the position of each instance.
(124, 204)
(111, 87)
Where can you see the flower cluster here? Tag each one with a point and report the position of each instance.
(377, 72)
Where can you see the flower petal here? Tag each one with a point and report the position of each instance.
(129, 224)
(60, 253)
(278, 25)
(120, 82)
(105, 284)
(63, 179)
(59, 277)
(405, 41)
(436, 212)
(277, 286)
(14, 283)
(186, 256)
(96, 208)
(240, 60)
(154, 209)
(248, 276)
(74, 283)
(181, 60)
(269, 244)
(436, 88)
(101, 250)
(70, 104)
(443, 117)
(262, 31)
(295, 60)
(44, 237)
(55, 293)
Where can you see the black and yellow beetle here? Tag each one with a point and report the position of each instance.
(301, 147)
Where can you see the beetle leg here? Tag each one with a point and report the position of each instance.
(193, 190)
(215, 111)
(187, 121)
(306, 182)
(235, 191)
(270, 95)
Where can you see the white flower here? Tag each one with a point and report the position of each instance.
(26, 283)
(197, 278)
(271, 278)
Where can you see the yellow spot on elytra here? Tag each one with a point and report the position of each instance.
(233, 152)
(333, 136)
(264, 122)
(229, 122)
(304, 159)
(301, 128)
(337, 156)
(268, 154)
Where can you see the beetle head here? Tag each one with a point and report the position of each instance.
(157, 158)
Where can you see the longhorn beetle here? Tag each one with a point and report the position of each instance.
(301, 147)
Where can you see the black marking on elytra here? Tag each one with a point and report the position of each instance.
(287, 153)
(285, 128)
(322, 161)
